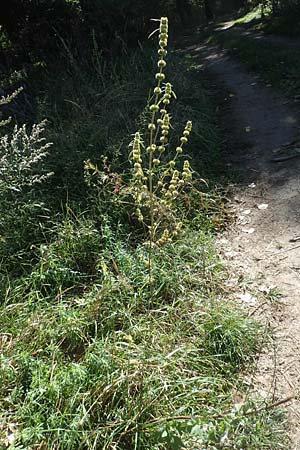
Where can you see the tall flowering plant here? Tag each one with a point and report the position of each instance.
(154, 183)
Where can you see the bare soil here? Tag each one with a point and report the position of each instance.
(262, 248)
(260, 36)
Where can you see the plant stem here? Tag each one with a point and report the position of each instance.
(151, 195)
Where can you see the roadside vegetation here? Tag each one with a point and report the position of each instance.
(96, 352)
(284, 19)
(271, 16)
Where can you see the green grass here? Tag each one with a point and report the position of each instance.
(250, 16)
(278, 66)
(93, 112)
(99, 119)
(89, 358)
(105, 368)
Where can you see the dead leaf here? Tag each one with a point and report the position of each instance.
(263, 206)
(243, 220)
(294, 239)
(237, 199)
(248, 230)
(247, 298)
(266, 289)
(231, 254)
(11, 438)
(223, 241)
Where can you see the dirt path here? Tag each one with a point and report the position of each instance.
(262, 246)
(260, 36)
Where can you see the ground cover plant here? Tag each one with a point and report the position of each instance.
(278, 17)
(286, 20)
(94, 355)
(271, 16)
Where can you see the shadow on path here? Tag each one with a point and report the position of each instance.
(257, 122)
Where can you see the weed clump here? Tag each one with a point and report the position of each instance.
(22, 167)
(154, 183)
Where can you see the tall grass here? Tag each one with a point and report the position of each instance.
(97, 120)
(98, 369)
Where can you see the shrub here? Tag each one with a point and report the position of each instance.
(22, 154)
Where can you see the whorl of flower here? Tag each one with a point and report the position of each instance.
(151, 148)
(168, 93)
(139, 215)
(163, 32)
(165, 126)
(172, 191)
(184, 138)
(138, 173)
(162, 52)
(186, 173)
(164, 238)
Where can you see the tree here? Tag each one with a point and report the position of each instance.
(238, 4)
(184, 11)
(208, 10)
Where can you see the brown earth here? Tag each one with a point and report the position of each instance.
(260, 36)
(262, 249)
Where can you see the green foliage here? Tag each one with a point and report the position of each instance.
(227, 336)
(89, 358)
(273, 16)
(97, 120)
(102, 360)
(152, 188)
(69, 262)
(22, 155)
(286, 20)
(43, 25)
